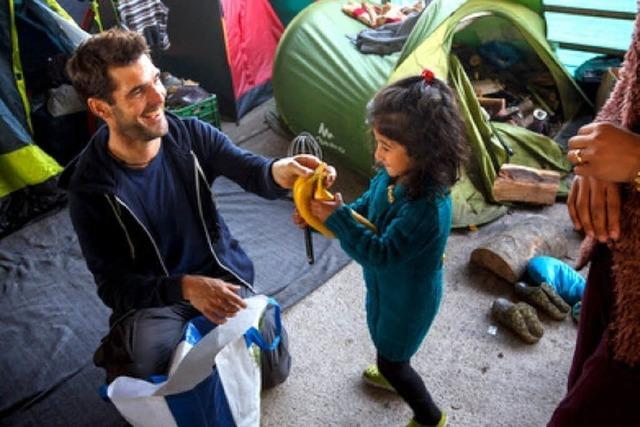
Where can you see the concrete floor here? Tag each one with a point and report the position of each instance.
(478, 378)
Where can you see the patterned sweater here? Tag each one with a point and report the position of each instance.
(623, 108)
(402, 263)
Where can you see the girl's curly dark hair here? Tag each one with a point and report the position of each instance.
(424, 118)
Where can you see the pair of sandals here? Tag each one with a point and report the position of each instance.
(522, 317)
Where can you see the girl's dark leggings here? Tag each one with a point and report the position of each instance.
(411, 388)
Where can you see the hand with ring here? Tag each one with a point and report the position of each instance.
(578, 155)
(606, 152)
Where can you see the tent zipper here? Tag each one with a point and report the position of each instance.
(132, 248)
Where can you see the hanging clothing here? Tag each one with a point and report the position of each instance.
(387, 38)
(147, 17)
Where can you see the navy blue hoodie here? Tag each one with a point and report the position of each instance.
(119, 250)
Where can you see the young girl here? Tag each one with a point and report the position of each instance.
(420, 147)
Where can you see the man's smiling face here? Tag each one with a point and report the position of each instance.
(137, 109)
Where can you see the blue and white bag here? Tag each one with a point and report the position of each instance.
(214, 378)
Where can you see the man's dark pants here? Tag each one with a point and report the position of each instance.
(140, 343)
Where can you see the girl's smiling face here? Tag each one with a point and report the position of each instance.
(392, 155)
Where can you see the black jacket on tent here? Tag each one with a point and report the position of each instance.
(32, 36)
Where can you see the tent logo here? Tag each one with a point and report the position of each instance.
(325, 138)
(324, 132)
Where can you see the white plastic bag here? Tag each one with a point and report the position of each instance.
(212, 382)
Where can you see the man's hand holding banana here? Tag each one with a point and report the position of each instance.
(286, 170)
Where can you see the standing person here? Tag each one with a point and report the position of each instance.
(140, 200)
(604, 202)
(420, 147)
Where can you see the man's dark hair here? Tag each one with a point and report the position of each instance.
(89, 65)
(426, 120)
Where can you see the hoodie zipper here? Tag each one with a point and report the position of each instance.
(197, 169)
(153, 242)
(116, 212)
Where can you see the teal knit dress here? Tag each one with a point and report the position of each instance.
(402, 263)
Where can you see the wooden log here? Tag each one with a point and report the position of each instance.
(508, 253)
(517, 183)
(493, 105)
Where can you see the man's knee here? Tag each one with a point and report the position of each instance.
(276, 364)
(140, 344)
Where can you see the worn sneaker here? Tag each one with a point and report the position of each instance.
(521, 318)
(373, 377)
(441, 423)
(543, 297)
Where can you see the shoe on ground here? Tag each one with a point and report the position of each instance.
(555, 298)
(530, 317)
(521, 318)
(441, 423)
(373, 377)
(575, 311)
(543, 297)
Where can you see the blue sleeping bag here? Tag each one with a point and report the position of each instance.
(567, 282)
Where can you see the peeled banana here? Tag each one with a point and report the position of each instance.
(304, 189)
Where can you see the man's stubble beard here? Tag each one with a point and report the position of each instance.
(136, 131)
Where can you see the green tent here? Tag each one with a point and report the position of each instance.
(322, 85)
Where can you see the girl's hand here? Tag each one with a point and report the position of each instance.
(298, 220)
(323, 210)
(606, 152)
(331, 177)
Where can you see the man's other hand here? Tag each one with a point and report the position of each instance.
(216, 299)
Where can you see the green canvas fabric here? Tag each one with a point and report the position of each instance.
(529, 148)
(430, 42)
(322, 85)
(442, 10)
(472, 195)
(335, 79)
(430, 47)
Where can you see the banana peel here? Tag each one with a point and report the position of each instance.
(312, 187)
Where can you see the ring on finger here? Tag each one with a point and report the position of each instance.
(579, 156)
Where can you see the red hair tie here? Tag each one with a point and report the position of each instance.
(427, 75)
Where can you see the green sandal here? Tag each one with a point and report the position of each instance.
(373, 377)
(441, 423)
